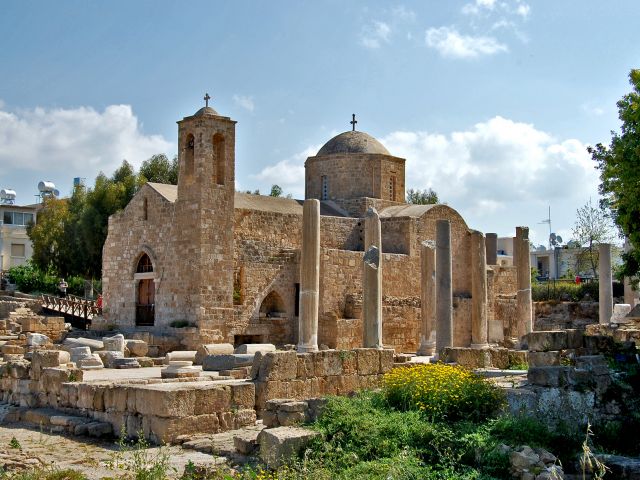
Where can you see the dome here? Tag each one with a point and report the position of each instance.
(205, 111)
(353, 142)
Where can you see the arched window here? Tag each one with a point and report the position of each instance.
(219, 160)
(189, 147)
(145, 209)
(272, 305)
(144, 264)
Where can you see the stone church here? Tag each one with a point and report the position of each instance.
(204, 263)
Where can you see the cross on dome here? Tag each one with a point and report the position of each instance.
(206, 99)
(353, 121)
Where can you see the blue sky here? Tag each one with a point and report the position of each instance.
(492, 102)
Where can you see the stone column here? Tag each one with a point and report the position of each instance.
(372, 299)
(372, 230)
(427, 298)
(630, 295)
(309, 277)
(479, 321)
(492, 248)
(444, 288)
(522, 261)
(605, 300)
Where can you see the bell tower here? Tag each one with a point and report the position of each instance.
(204, 220)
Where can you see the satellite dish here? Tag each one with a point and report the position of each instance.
(552, 237)
(558, 239)
(56, 192)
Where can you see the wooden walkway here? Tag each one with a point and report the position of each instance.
(77, 310)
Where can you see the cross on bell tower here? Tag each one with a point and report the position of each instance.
(206, 99)
(353, 122)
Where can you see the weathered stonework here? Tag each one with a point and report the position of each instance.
(226, 265)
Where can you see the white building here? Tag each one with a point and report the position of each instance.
(15, 246)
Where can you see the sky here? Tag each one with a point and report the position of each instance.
(492, 102)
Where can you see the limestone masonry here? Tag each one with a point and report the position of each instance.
(227, 265)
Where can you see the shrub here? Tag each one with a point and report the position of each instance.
(561, 290)
(30, 279)
(443, 392)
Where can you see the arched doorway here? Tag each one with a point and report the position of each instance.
(272, 306)
(145, 292)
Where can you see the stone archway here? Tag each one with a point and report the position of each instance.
(145, 291)
(272, 305)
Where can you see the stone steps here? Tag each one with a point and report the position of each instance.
(55, 421)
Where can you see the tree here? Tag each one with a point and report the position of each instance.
(619, 166)
(592, 227)
(276, 191)
(422, 197)
(47, 235)
(159, 169)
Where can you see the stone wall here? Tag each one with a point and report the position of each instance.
(307, 375)
(355, 176)
(130, 236)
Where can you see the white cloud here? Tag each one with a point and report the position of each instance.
(523, 10)
(244, 101)
(478, 6)
(375, 34)
(403, 14)
(74, 140)
(449, 43)
(498, 168)
(591, 109)
(498, 174)
(287, 173)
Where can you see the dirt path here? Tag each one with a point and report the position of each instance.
(95, 458)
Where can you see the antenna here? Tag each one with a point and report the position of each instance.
(548, 221)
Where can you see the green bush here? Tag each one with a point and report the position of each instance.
(29, 279)
(559, 291)
(443, 392)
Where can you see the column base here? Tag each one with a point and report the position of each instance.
(426, 349)
(480, 346)
(306, 348)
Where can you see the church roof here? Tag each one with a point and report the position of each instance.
(249, 201)
(205, 111)
(353, 142)
(406, 210)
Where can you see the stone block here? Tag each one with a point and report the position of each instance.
(544, 341)
(270, 419)
(108, 357)
(620, 312)
(544, 359)
(294, 406)
(99, 429)
(243, 418)
(599, 344)
(386, 360)
(305, 366)
(243, 395)
(556, 376)
(11, 350)
(279, 444)
(165, 400)
(167, 430)
(180, 355)
(46, 359)
(467, 357)
(116, 398)
(253, 348)
(349, 362)
(212, 349)
(368, 361)
(216, 363)
(37, 340)
(93, 344)
(243, 445)
(595, 364)
(278, 366)
(114, 343)
(575, 339)
(90, 363)
(212, 398)
(287, 419)
(316, 406)
(123, 363)
(331, 362)
(137, 348)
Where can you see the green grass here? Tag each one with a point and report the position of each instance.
(44, 474)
